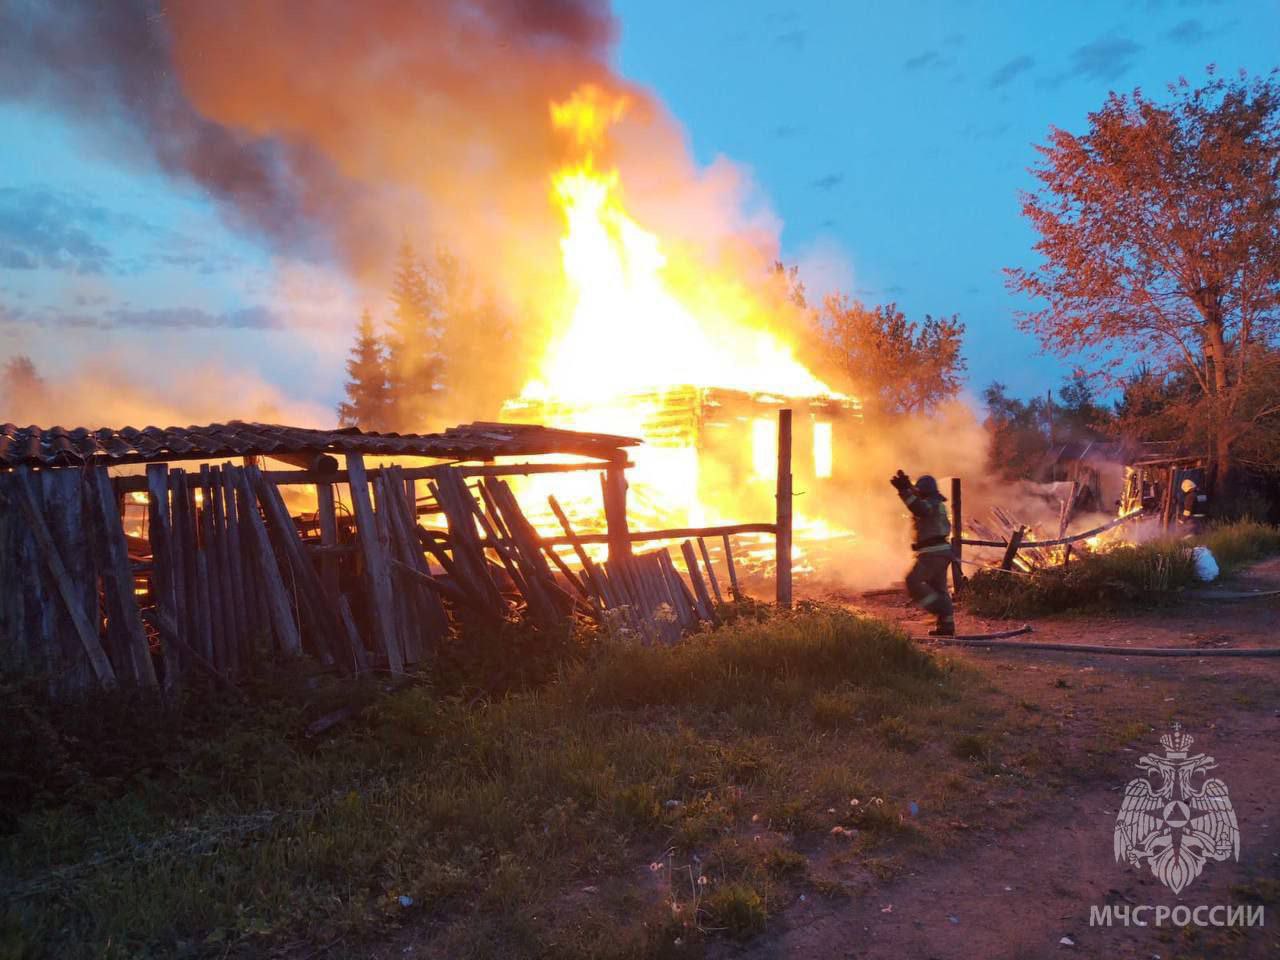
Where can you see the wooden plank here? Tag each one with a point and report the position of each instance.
(452, 494)
(245, 612)
(433, 625)
(163, 591)
(63, 492)
(1011, 550)
(231, 610)
(213, 576)
(60, 578)
(400, 600)
(257, 611)
(705, 609)
(320, 609)
(588, 568)
(376, 564)
(117, 581)
(184, 561)
(711, 571)
(327, 515)
(675, 590)
(360, 658)
(734, 591)
(268, 568)
(20, 572)
(784, 507)
(204, 617)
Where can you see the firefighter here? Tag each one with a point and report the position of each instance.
(1193, 505)
(927, 580)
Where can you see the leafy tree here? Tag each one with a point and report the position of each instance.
(1078, 415)
(1019, 431)
(368, 396)
(1160, 233)
(415, 366)
(896, 365)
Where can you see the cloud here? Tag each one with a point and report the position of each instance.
(794, 40)
(254, 317)
(1107, 58)
(52, 229)
(93, 312)
(1010, 70)
(63, 230)
(1188, 32)
(926, 58)
(828, 181)
(978, 131)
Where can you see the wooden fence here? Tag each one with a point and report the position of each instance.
(228, 583)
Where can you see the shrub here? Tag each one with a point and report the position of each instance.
(1122, 577)
(737, 909)
(1240, 543)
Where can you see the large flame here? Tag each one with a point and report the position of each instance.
(626, 304)
(646, 333)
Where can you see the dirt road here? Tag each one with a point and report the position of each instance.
(1027, 892)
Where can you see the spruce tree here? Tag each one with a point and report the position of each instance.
(415, 366)
(367, 403)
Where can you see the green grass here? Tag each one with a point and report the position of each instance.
(1120, 578)
(218, 829)
(1235, 545)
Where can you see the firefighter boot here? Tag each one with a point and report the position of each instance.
(946, 628)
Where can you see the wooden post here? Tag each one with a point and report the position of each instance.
(1012, 550)
(783, 557)
(957, 537)
(614, 483)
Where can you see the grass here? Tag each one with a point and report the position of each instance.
(1238, 544)
(517, 826)
(1120, 578)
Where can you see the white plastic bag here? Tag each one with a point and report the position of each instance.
(1206, 566)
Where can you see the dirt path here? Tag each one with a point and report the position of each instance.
(1018, 893)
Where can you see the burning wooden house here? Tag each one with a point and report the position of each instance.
(135, 556)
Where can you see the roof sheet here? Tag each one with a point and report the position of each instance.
(60, 447)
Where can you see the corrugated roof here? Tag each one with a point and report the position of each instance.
(60, 447)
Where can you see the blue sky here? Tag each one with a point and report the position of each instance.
(900, 134)
(890, 140)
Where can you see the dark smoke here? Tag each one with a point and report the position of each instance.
(321, 124)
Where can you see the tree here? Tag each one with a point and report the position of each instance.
(1019, 431)
(415, 367)
(895, 365)
(1160, 233)
(368, 397)
(1078, 415)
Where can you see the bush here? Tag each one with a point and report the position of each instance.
(1119, 578)
(1240, 543)
(785, 658)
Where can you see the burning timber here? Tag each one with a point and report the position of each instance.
(112, 576)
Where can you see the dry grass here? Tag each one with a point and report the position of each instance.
(519, 826)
